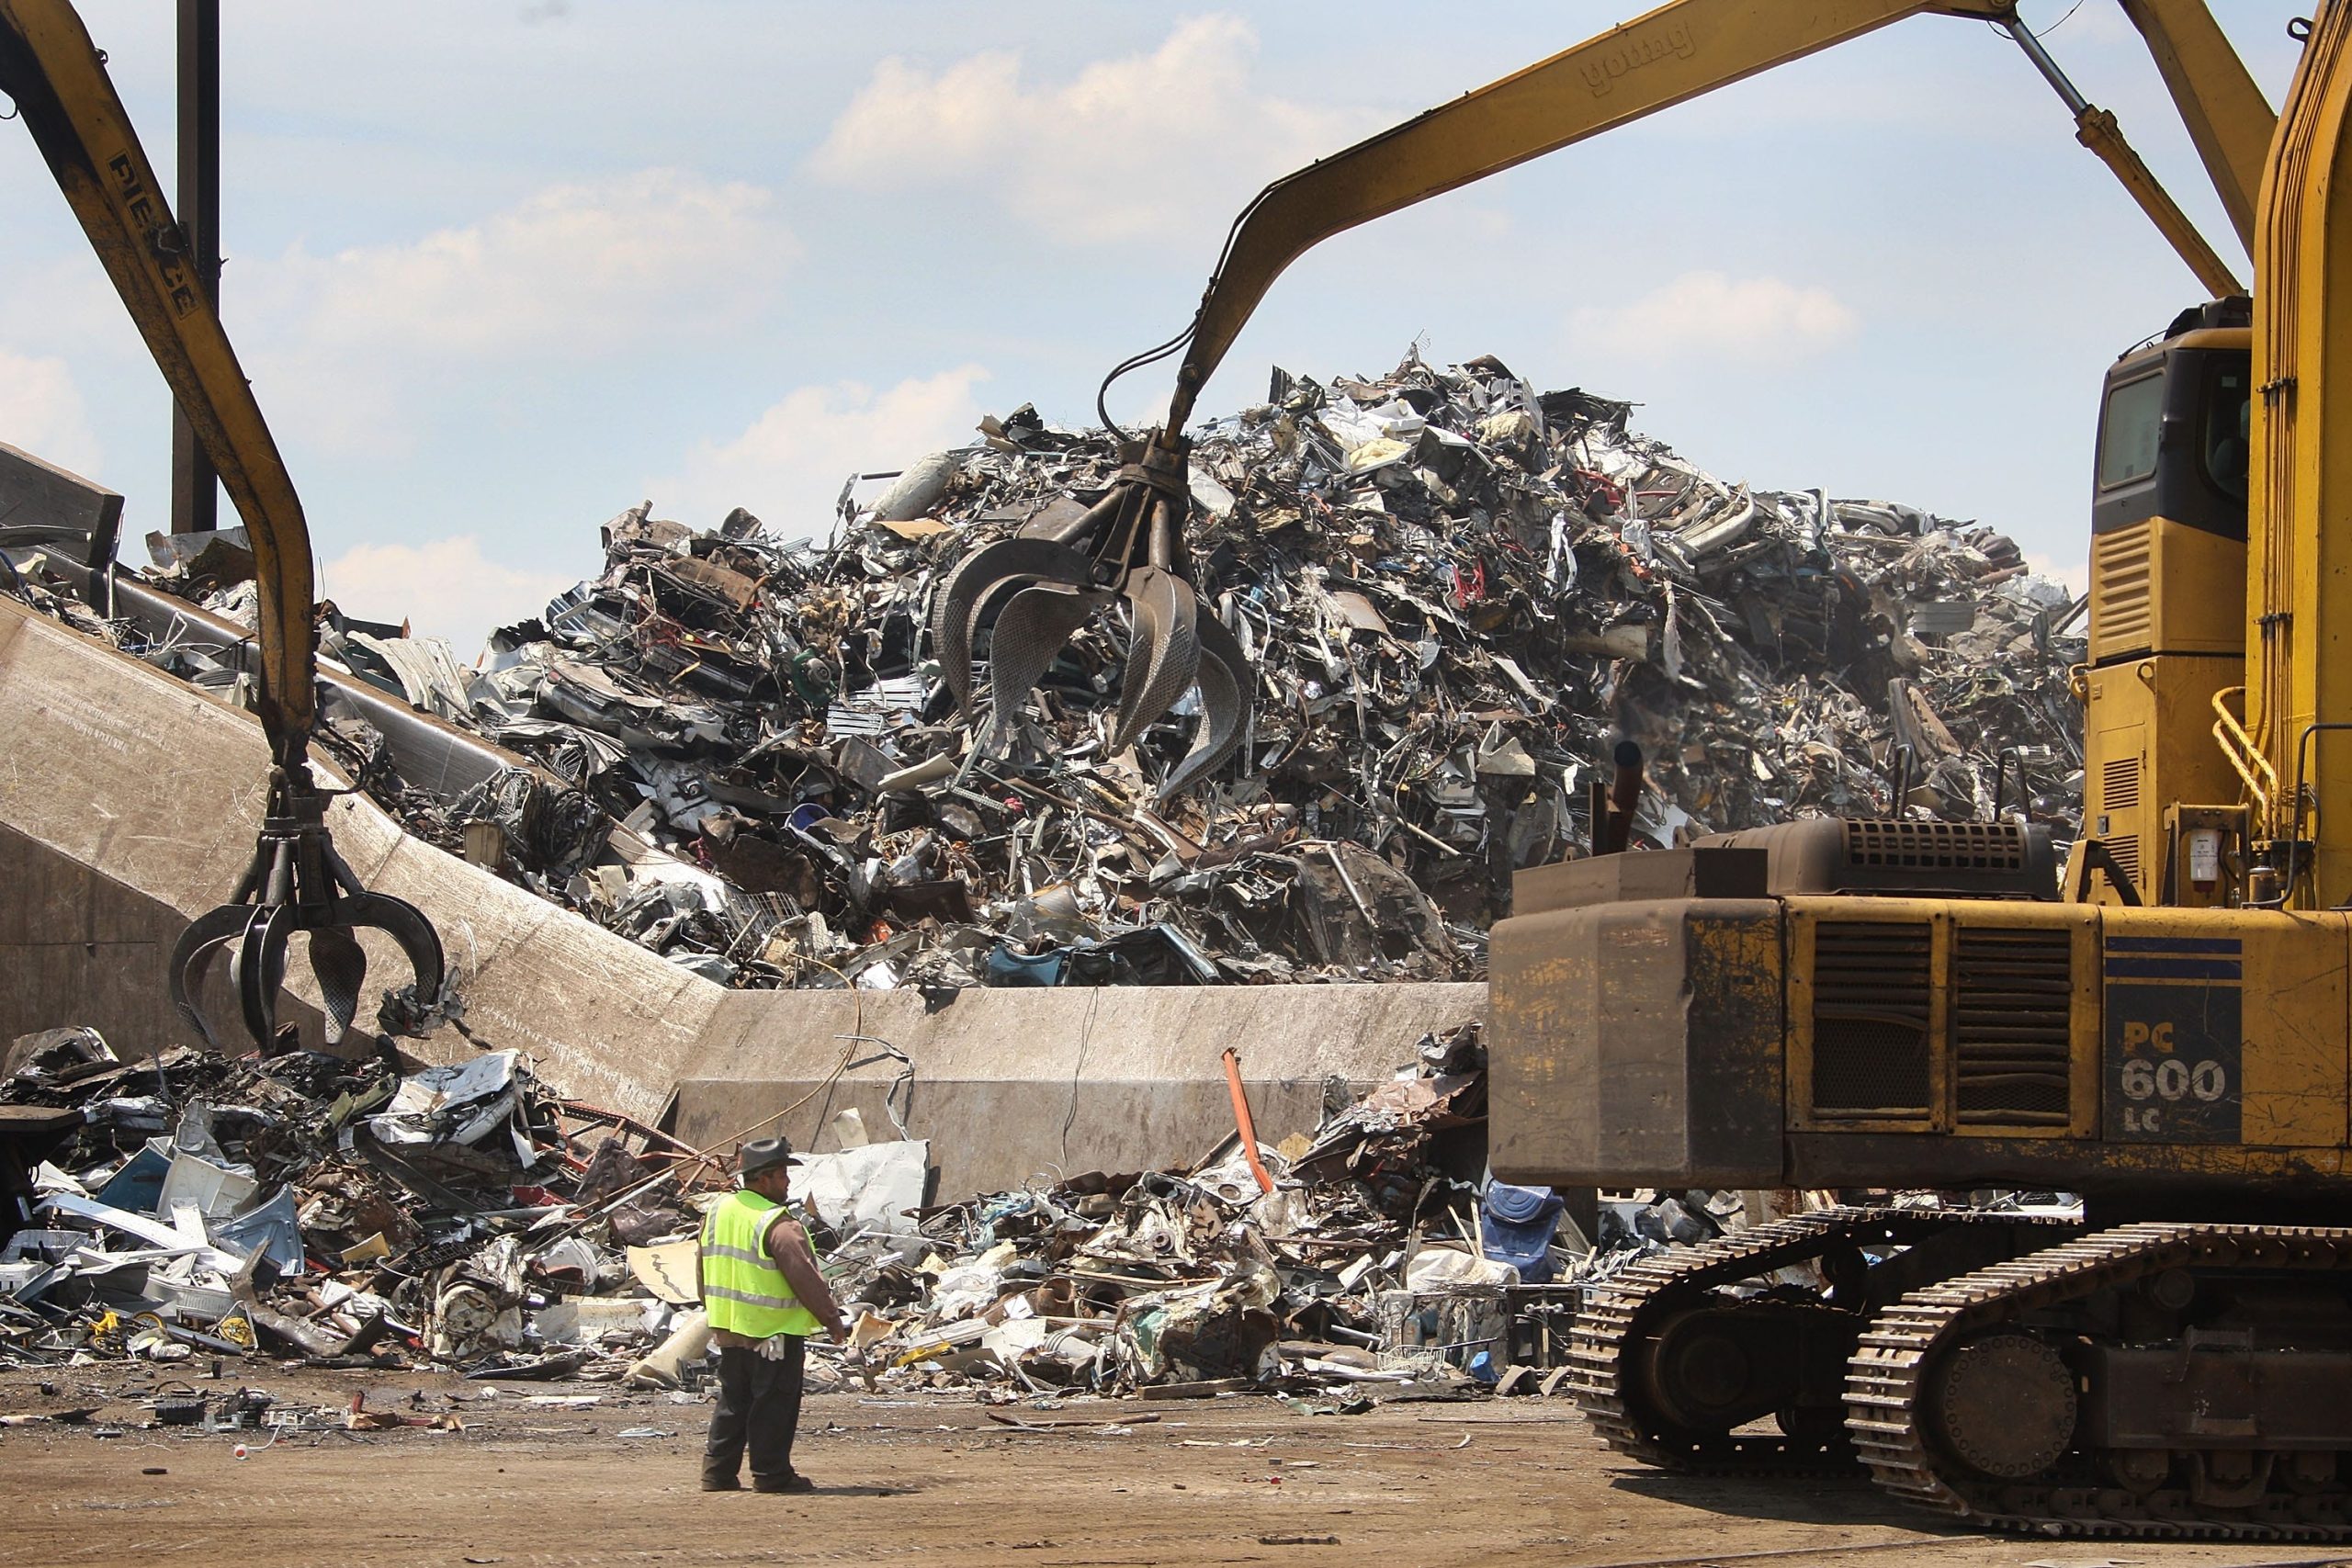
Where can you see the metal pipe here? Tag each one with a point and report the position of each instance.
(2096, 129)
(1625, 794)
(1596, 811)
(2075, 103)
(1331, 853)
(196, 489)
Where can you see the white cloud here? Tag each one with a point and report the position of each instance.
(574, 271)
(789, 466)
(574, 275)
(1144, 145)
(41, 413)
(442, 587)
(1714, 314)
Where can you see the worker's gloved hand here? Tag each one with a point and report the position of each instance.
(775, 1348)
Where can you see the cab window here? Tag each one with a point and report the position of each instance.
(2222, 445)
(2126, 451)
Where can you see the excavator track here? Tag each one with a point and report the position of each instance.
(1892, 1403)
(1617, 1317)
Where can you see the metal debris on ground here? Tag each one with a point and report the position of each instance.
(1196, 1281)
(1458, 595)
(336, 1212)
(346, 1213)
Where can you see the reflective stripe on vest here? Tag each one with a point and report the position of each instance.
(742, 1289)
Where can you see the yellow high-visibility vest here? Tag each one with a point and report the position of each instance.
(742, 1289)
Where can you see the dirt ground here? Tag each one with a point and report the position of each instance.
(928, 1480)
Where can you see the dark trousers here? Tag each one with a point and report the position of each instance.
(759, 1406)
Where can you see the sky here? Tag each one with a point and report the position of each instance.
(500, 269)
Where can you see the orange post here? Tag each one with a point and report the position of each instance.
(1241, 1121)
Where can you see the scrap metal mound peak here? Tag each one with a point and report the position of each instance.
(1458, 593)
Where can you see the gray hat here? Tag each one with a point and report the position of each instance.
(762, 1153)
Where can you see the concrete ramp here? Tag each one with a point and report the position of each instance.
(129, 804)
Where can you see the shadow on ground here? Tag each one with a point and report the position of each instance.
(1812, 1500)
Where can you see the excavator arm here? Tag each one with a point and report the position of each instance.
(1677, 52)
(1680, 52)
(296, 882)
(2228, 118)
(1042, 586)
(52, 71)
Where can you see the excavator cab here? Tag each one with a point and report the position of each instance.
(2167, 612)
(2175, 427)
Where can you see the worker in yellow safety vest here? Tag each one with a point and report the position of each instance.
(765, 1296)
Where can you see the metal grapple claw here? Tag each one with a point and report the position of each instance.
(964, 599)
(298, 883)
(1162, 651)
(1030, 631)
(1224, 677)
(1045, 582)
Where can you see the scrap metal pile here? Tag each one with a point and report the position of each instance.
(343, 1213)
(1458, 595)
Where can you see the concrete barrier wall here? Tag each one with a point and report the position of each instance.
(85, 949)
(128, 805)
(1009, 1084)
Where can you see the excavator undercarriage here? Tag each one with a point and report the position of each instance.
(2154, 1380)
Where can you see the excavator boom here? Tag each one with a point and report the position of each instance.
(50, 68)
(1680, 52)
(2228, 118)
(1132, 540)
(296, 883)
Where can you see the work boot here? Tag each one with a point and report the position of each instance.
(794, 1483)
(718, 1481)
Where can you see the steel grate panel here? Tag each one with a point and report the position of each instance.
(2012, 1016)
(1965, 846)
(1870, 1003)
(2118, 784)
(2123, 604)
(2125, 848)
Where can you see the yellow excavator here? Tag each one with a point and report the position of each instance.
(1927, 1004)
(296, 883)
(2167, 1031)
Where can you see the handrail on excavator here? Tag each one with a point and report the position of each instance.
(2239, 750)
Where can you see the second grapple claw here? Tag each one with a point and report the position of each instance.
(1043, 584)
(297, 883)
